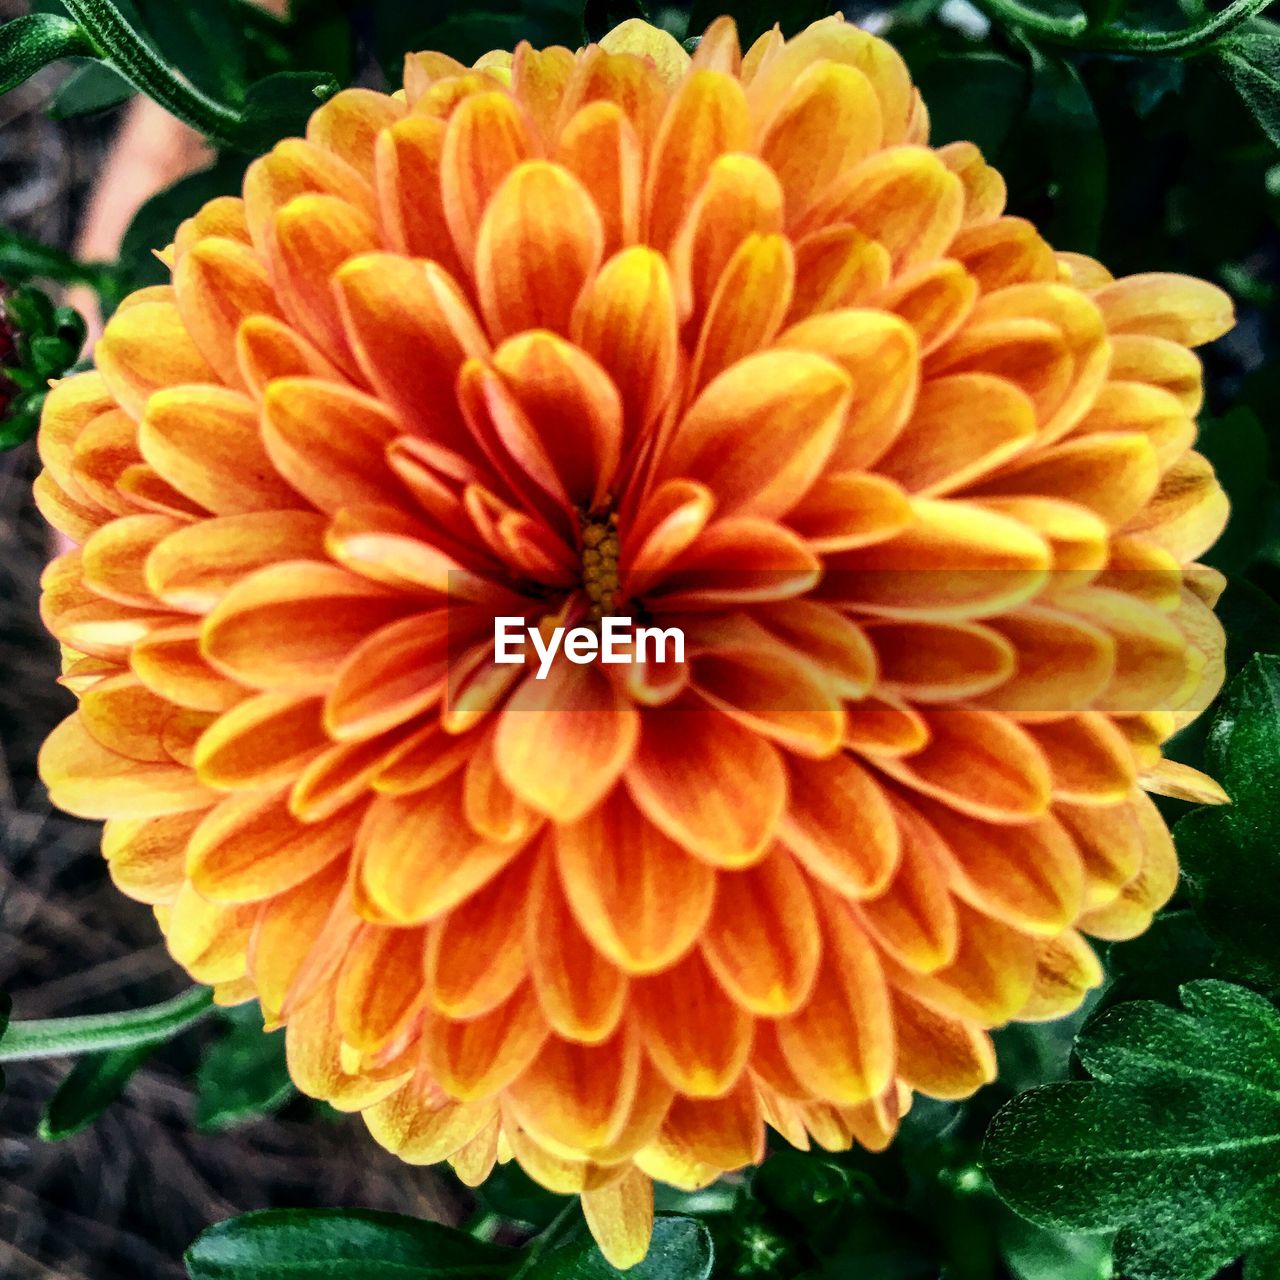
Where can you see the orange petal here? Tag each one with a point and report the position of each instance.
(841, 1043)
(329, 442)
(626, 320)
(904, 197)
(476, 952)
(750, 301)
(262, 742)
(828, 120)
(144, 348)
(220, 282)
(599, 147)
(378, 988)
(694, 1033)
(90, 781)
(539, 243)
(645, 903)
(476, 1058)
(145, 856)
(196, 566)
(268, 349)
(290, 626)
(963, 427)
(763, 943)
(914, 921)
(940, 1057)
(940, 661)
(581, 993)
(1180, 309)
(979, 763)
(620, 1217)
(393, 675)
(249, 848)
(311, 238)
(564, 741)
(839, 825)
(407, 175)
(706, 118)
(574, 1098)
(487, 136)
(730, 439)
(956, 561)
(713, 786)
(168, 661)
(408, 886)
(205, 442)
(411, 329)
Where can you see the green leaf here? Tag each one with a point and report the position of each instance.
(91, 87)
(280, 106)
(1236, 445)
(92, 1085)
(972, 97)
(681, 1249)
(342, 1244)
(1175, 1143)
(98, 1032)
(153, 226)
(35, 40)
(1031, 1253)
(1062, 126)
(511, 1193)
(1231, 855)
(243, 1074)
(1249, 61)
(23, 259)
(205, 41)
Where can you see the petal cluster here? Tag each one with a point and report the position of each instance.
(717, 342)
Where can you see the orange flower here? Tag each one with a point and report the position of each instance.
(716, 342)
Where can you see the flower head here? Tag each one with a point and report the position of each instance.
(719, 343)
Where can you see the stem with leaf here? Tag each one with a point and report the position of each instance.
(546, 1239)
(1075, 32)
(64, 1037)
(120, 45)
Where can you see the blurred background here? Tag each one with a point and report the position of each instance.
(1149, 163)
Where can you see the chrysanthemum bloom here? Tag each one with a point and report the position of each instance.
(719, 343)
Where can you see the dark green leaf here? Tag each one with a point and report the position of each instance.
(1175, 1143)
(35, 40)
(510, 1192)
(6, 1008)
(1062, 126)
(22, 259)
(243, 1074)
(205, 41)
(280, 106)
(93, 1084)
(1231, 855)
(972, 97)
(680, 1250)
(154, 224)
(601, 16)
(93, 86)
(1250, 62)
(342, 1244)
(1032, 1253)
(1237, 446)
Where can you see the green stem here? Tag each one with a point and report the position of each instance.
(143, 68)
(64, 1037)
(545, 1239)
(1075, 31)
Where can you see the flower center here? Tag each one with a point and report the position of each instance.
(600, 562)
